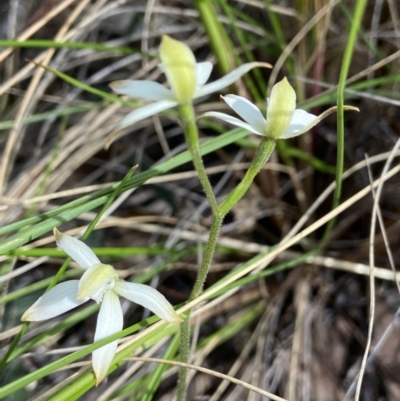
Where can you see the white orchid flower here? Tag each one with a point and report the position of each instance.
(101, 283)
(282, 121)
(186, 78)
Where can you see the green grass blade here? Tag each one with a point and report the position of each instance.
(51, 44)
(344, 70)
(47, 221)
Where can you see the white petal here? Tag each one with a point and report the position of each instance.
(109, 321)
(76, 249)
(149, 298)
(203, 72)
(247, 110)
(146, 111)
(229, 78)
(312, 120)
(232, 120)
(300, 120)
(148, 90)
(60, 299)
(139, 114)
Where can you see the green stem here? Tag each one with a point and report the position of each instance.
(262, 155)
(197, 288)
(188, 119)
(260, 158)
(192, 139)
(184, 351)
(356, 24)
(208, 256)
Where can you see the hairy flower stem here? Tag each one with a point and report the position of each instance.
(198, 287)
(188, 120)
(219, 211)
(262, 155)
(192, 139)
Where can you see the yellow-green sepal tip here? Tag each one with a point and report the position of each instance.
(180, 68)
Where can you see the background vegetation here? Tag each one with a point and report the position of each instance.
(295, 322)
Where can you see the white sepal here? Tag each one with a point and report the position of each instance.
(301, 120)
(149, 298)
(247, 110)
(76, 249)
(148, 90)
(232, 120)
(137, 115)
(229, 79)
(60, 299)
(145, 111)
(311, 122)
(203, 72)
(109, 321)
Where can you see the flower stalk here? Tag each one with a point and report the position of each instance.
(188, 120)
(196, 291)
(261, 156)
